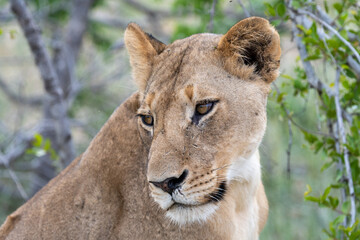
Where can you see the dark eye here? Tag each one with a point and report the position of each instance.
(202, 109)
(147, 120)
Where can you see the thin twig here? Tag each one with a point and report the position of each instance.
(251, 6)
(318, 125)
(342, 137)
(288, 115)
(110, 21)
(14, 178)
(288, 151)
(153, 12)
(17, 149)
(210, 26)
(246, 12)
(17, 98)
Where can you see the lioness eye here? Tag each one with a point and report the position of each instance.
(147, 120)
(202, 109)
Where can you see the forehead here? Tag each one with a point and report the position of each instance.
(180, 62)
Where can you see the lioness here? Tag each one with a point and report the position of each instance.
(189, 138)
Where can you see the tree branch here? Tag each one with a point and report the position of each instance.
(354, 66)
(313, 80)
(76, 27)
(342, 137)
(16, 98)
(339, 164)
(5, 15)
(55, 107)
(42, 59)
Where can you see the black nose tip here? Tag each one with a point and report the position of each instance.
(172, 183)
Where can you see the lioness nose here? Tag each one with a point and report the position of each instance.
(172, 183)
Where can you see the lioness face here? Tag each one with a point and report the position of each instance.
(203, 108)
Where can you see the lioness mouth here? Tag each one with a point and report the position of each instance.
(215, 196)
(183, 206)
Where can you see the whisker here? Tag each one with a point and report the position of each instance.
(219, 168)
(213, 197)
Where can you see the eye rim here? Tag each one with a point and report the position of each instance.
(197, 117)
(142, 116)
(205, 102)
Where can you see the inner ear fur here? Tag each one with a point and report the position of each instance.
(142, 48)
(255, 43)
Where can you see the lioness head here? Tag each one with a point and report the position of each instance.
(203, 109)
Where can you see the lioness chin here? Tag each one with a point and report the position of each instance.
(179, 159)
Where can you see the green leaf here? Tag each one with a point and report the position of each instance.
(308, 191)
(312, 57)
(338, 7)
(334, 202)
(326, 166)
(302, 28)
(339, 219)
(312, 199)
(339, 175)
(276, 22)
(326, 193)
(326, 6)
(47, 145)
(310, 137)
(345, 84)
(270, 9)
(345, 207)
(37, 140)
(281, 9)
(280, 97)
(53, 154)
(287, 76)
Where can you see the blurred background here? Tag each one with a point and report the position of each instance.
(84, 41)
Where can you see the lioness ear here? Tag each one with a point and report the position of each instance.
(142, 48)
(253, 42)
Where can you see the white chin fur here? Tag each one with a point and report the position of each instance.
(181, 214)
(244, 169)
(189, 214)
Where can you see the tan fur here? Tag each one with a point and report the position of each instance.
(145, 48)
(105, 193)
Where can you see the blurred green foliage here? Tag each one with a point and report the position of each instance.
(334, 54)
(315, 176)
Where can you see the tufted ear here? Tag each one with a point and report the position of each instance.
(142, 48)
(255, 43)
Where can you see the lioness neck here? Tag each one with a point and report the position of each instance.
(244, 203)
